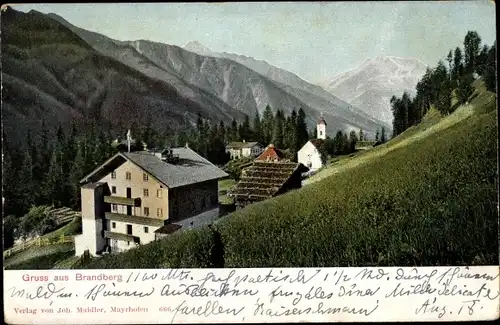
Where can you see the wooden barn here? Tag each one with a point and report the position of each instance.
(266, 179)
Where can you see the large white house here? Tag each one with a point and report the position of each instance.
(137, 197)
(309, 155)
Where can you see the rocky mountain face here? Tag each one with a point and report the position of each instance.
(228, 81)
(56, 72)
(337, 111)
(371, 86)
(50, 74)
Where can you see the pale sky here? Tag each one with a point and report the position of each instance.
(315, 40)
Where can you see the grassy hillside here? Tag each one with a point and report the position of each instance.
(482, 101)
(46, 257)
(427, 198)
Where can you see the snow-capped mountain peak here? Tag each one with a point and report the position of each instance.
(371, 85)
(197, 47)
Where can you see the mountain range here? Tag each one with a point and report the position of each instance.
(56, 72)
(371, 85)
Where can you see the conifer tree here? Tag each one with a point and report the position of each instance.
(301, 129)
(353, 139)
(233, 131)
(267, 125)
(26, 183)
(76, 174)
(279, 122)
(55, 179)
(457, 65)
(257, 128)
(382, 135)
(472, 44)
(449, 58)
(465, 89)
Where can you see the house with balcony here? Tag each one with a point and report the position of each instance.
(140, 196)
(242, 149)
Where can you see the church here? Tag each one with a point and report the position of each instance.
(309, 155)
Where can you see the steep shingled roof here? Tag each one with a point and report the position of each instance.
(264, 180)
(239, 145)
(317, 142)
(191, 168)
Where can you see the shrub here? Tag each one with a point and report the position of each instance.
(36, 222)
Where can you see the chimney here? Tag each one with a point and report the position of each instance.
(187, 145)
(243, 140)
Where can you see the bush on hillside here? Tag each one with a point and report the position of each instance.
(234, 167)
(9, 231)
(36, 222)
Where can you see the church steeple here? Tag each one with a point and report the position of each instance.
(321, 128)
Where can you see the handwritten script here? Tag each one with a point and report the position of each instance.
(252, 295)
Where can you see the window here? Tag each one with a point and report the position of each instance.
(159, 213)
(146, 192)
(113, 225)
(320, 132)
(146, 211)
(114, 207)
(145, 177)
(158, 193)
(146, 230)
(113, 175)
(128, 243)
(128, 175)
(129, 229)
(113, 189)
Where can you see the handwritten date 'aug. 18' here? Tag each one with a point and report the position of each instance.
(278, 293)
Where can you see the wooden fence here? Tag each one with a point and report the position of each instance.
(63, 215)
(40, 241)
(18, 248)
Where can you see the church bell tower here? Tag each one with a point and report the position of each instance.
(321, 128)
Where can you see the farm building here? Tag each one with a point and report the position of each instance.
(266, 179)
(242, 149)
(272, 154)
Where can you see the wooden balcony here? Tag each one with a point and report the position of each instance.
(122, 200)
(147, 221)
(122, 237)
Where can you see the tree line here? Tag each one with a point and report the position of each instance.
(210, 139)
(48, 171)
(437, 85)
